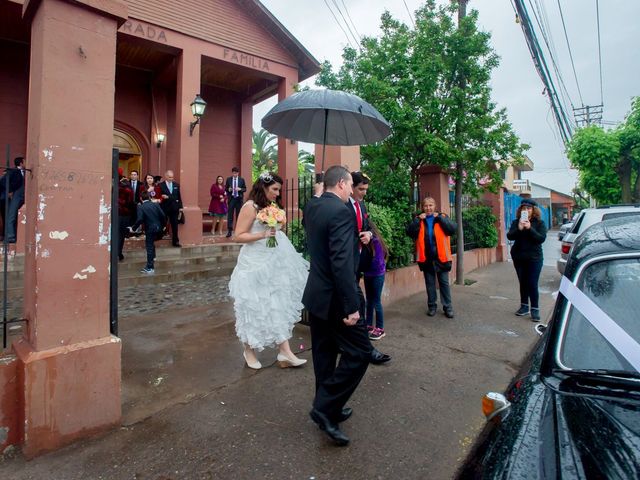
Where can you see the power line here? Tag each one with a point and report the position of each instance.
(341, 28)
(570, 54)
(599, 51)
(345, 22)
(353, 24)
(409, 12)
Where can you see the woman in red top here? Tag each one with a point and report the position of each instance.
(218, 204)
(155, 195)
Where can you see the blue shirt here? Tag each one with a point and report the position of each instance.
(432, 244)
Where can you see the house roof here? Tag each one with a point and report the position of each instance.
(308, 65)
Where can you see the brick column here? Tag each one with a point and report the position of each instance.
(246, 144)
(69, 364)
(337, 155)
(188, 146)
(496, 202)
(434, 182)
(287, 150)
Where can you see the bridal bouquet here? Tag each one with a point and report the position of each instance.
(271, 216)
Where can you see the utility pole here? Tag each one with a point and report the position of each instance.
(462, 12)
(588, 115)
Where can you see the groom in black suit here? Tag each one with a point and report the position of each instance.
(332, 300)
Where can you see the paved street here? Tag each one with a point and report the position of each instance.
(191, 410)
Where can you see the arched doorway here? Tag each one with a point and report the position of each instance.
(129, 152)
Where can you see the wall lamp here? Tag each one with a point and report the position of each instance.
(197, 109)
(160, 139)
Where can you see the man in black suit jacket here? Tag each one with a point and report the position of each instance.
(15, 197)
(235, 187)
(136, 186)
(152, 217)
(171, 204)
(332, 300)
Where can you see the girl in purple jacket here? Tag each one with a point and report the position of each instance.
(374, 281)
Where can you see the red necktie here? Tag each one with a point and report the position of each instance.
(358, 216)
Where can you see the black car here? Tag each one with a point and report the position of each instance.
(573, 411)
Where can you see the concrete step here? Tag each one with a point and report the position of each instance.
(171, 265)
(176, 274)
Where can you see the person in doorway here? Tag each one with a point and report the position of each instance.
(150, 215)
(431, 230)
(171, 204)
(235, 187)
(136, 187)
(151, 187)
(14, 197)
(125, 212)
(331, 297)
(374, 273)
(218, 205)
(267, 283)
(528, 233)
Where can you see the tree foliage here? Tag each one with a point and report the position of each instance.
(609, 160)
(432, 83)
(265, 153)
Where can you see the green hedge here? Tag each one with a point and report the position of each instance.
(392, 223)
(479, 225)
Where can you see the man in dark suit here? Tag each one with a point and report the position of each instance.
(152, 217)
(171, 204)
(15, 197)
(332, 300)
(136, 185)
(363, 233)
(235, 187)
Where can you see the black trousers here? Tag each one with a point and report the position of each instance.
(149, 243)
(335, 383)
(124, 221)
(173, 221)
(528, 275)
(235, 204)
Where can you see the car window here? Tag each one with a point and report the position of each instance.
(577, 223)
(613, 286)
(608, 216)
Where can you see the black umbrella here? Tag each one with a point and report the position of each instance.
(329, 117)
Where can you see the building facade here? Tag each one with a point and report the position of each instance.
(82, 81)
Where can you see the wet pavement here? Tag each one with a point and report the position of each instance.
(191, 410)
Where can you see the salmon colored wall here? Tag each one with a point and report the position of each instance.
(14, 94)
(219, 139)
(9, 405)
(133, 106)
(222, 22)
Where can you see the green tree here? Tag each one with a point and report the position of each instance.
(306, 164)
(609, 160)
(265, 153)
(595, 153)
(432, 84)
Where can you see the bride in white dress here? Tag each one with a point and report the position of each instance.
(267, 283)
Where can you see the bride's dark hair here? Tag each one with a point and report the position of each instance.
(263, 182)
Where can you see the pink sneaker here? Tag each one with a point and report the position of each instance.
(376, 334)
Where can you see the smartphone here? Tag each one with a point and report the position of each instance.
(524, 215)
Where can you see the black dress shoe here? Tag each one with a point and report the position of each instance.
(330, 428)
(228, 234)
(345, 414)
(378, 358)
(177, 245)
(431, 312)
(448, 312)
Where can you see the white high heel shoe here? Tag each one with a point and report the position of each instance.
(255, 365)
(286, 362)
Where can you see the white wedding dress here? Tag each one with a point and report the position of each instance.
(266, 286)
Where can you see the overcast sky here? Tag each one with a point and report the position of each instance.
(516, 85)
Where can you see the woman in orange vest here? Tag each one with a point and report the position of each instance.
(431, 231)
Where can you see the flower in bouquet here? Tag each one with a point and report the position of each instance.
(271, 216)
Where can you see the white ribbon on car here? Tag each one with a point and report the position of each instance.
(613, 333)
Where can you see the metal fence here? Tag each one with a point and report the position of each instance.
(296, 194)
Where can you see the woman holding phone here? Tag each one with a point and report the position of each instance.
(528, 233)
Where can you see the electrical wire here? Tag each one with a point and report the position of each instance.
(566, 36)
(409, 12)
(341, 28)
(335, 3)
(599, 52)
(352, 24)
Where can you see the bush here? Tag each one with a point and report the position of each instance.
(392, 222)
(479, 225)
(297, 235)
